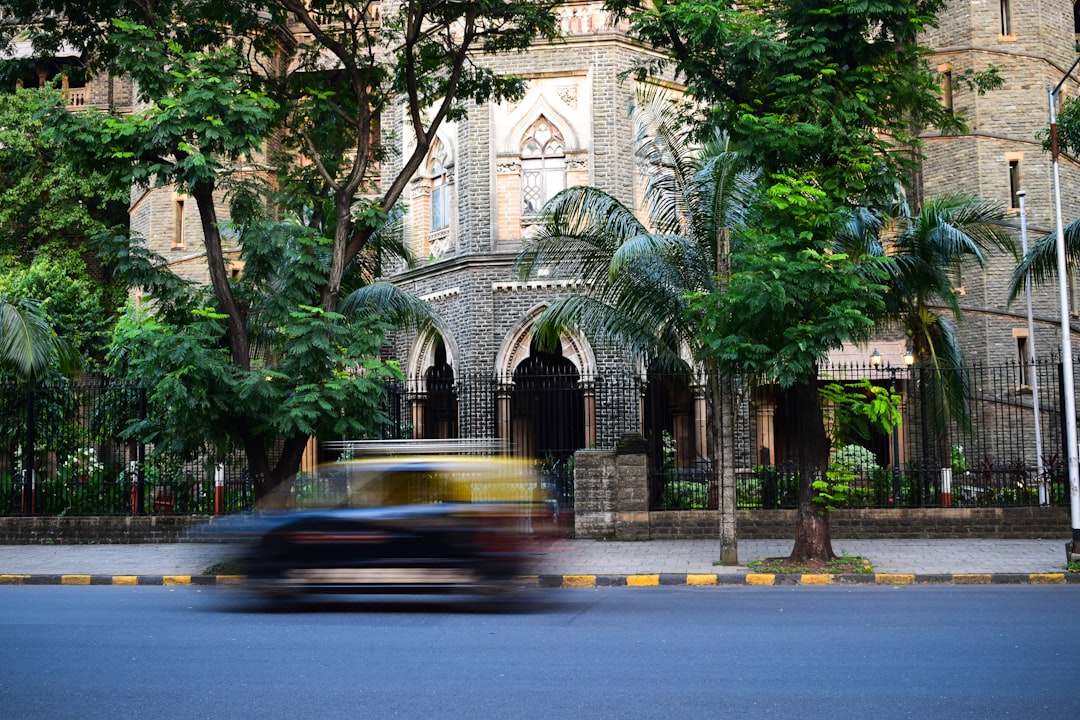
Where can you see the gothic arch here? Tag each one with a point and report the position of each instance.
(515, 348)
(522, 118)
(422, 353)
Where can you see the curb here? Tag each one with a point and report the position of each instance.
(598, 581)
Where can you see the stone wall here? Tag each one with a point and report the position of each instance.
(1001, 523)
(96, 530)
(604, 522)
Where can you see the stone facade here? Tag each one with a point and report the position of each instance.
(1034, 55)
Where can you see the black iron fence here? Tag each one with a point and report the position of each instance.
(63, 452)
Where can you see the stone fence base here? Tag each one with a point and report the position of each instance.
(100, 530)
(1011, 523)
(612, 503)
(1021, 523)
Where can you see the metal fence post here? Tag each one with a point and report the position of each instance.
(140, 474)
(29, 491)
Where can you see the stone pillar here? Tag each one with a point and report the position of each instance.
(595, 483)
(611, 492)
(416, 415)
(632, 494)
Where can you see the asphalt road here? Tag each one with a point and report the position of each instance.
(806, 652)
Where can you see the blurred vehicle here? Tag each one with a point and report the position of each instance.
(406, 524)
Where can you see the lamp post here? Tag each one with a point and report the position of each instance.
(1066, 331)
(1043, 499)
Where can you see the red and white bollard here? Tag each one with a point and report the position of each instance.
(219, 489)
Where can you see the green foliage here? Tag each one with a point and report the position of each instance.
(860, 407)
(72, 303)
(268, 360)
(855, 459)
(316, 372)
(787, 304)
(768, 487)
(203, 114)
(29, 347)
(1068, 128)
(49, 204)
(684, 495)
(843, 565)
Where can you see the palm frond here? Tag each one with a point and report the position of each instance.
(27, 341)
(397, 307)
(582, 227)
(1041, 259)
(636, 275)
(942, 367)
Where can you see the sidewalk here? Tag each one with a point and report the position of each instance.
(589, 562)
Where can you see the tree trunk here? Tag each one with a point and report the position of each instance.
(723, 462)
(812, 536)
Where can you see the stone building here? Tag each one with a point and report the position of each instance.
(479, 194)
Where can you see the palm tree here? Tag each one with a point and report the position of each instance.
(28, 345)
(638, 273)
(924, 247)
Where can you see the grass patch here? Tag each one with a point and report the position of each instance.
(843, 565)
(1073, 567)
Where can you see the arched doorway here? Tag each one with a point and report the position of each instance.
(547, 407)
(440, 410)
(432, 389)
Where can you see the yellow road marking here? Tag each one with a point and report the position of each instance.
(701, 579)
(642, 580)
(894, 578)
(1047, 578)
(814, 579)
(74, 579)
(231, 579)
(579, 581)
(176, 580)
(760, 578)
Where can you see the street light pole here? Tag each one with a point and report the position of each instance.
(895, 443)
(1066, 330)
(1043, 498)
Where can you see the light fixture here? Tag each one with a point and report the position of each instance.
(875, 358)
(909, 357)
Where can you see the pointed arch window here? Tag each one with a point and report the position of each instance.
(440, 187)
(543, 166)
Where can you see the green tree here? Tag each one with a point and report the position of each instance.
(222, 84)
(639, 274)
(46, 206)
(828, 98)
